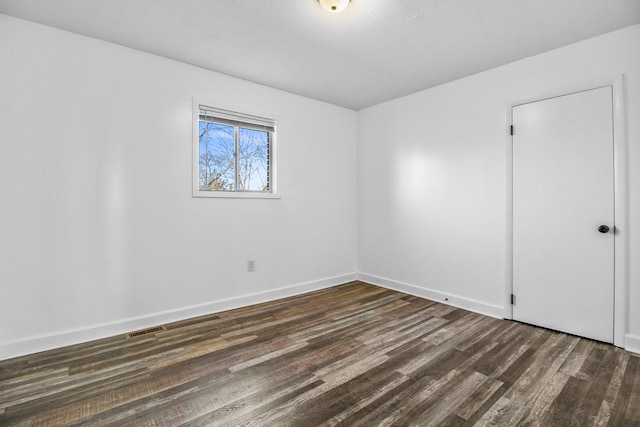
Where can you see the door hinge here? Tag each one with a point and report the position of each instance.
(513, 299)
(511, 129)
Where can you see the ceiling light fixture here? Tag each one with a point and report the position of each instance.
(334, 6)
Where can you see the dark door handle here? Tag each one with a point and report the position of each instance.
(603, 229)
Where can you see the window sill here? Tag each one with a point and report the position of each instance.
(234, 195)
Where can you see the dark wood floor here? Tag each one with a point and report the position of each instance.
(351, 355)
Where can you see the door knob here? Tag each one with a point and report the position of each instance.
(603, 229)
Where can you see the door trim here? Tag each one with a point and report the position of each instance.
(621, 196)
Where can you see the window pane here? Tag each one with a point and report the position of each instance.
(253, 160)
(216, 153)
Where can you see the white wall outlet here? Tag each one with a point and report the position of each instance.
(251, 265)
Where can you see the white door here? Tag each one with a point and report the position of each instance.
(563, 192)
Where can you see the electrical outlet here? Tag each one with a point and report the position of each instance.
(251, 265)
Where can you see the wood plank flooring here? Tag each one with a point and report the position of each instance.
(352, 355)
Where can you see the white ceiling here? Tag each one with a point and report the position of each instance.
(375, 51)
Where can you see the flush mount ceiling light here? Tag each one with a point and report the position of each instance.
(334, 6)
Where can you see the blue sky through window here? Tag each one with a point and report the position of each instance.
(217, 158)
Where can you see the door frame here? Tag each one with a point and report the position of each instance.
(621, 195)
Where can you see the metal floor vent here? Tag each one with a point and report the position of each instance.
(146, 331)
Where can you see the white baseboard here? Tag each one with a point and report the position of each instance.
(59, 339)
(492, 310)
(632, 343)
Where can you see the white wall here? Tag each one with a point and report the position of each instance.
(432, 175)
(99, 233)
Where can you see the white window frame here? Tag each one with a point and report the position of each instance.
(273, 156)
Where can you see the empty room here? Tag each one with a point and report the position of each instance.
(320, 213)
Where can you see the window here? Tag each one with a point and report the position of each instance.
(233, 154)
